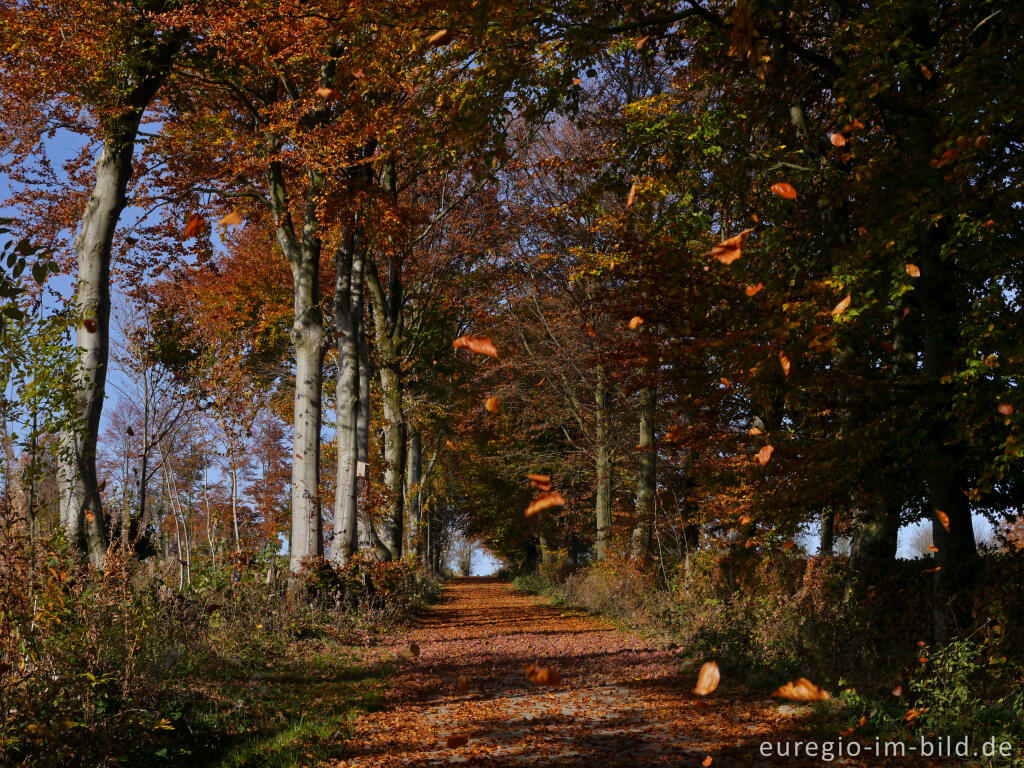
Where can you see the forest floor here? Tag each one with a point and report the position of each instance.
(624, 700)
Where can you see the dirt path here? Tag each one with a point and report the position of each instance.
(622, 702)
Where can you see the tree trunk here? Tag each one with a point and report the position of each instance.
(827, 539)
(81, 509)
(603, 500)
(348, 293)
(413, 478)
(645, 476)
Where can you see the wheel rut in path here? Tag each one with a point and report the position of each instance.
(623, 700)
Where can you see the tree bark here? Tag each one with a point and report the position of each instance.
(303, 254)
(603, 500)
(646, 475)
(413, 479)
(348, 293)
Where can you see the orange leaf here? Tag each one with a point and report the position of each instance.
(642, 42)
(492, 404)
(546, 500)
(936, 569)
(482, 345)
(1006, 409)
(414, 650)
(784, 362)
(862, 722)
(724, 382)
(943, 518)
(631, 196)
(753, 290)
(542, 675)
(913, 270)
(90, 324)
(847, 732)
(454, 741)
(194, 226)
(674, 434)
(744, 519)
(440, 38)
(787, 546)
(897, 691)
(838, 140)
(914, 713)
(233, 219)
(540, 482)
(784, 189)
(635, 322)
(765, 454)
(450, 445)
(328, 94)
(731, 248)
(802, 689)
(932, 548)
(841, 307)
(754, 431)
(590, 330)
(708, 679)
(926, 72)
(706, 761)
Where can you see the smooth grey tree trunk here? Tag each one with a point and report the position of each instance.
(387, 328)
(646, 475)
(348, 293)
(308, 338)
(603, 500)
(81, 508)
(413, 480)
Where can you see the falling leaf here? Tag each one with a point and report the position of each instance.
(753, 290)
(847, 732)
(706, 762)
(708, 678)
(802, 689)
(450, 445)
(457, 740)
(936, 569)
(1006, 409)
(765, 454)
(926, 72)
(635, 322)
(862, 722)
(724, 382)
(784, 189)
(754, 431)
(482, 345)
(784, 362)
(838, 140)
(730, 249)
(642, 42)
(541, 382)
(414, 650)
(932, 548)
(897, 691)
(544, 501)
(913, 713)
(631, 196)
(787, 546)
(841, 307)
(943, 518)
(233, 219)
(744, 519)
(577, 81)
(540, 482)
(194, 226)
(328, 94)
(542, 675)
(89, 517)
(492, 404)
(90, 324)
(913, 270)
(440, 38)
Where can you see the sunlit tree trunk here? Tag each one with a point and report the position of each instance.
(348, 293)
(645, 476)
(413, 478)
(603, 495)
